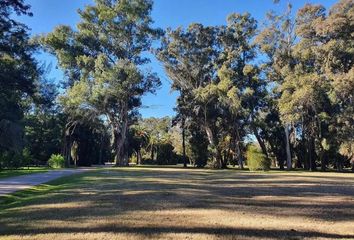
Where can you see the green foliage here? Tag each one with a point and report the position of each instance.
(26, 157)
(199, 154)
(154, 141)
(15, 160)
(138, 139)
(19, 75)
(7, 160)
(347, 149)
(157, 130)
(309, 60)
(298, 102)
(18, 69)
(56, 161)
(43, 133)
(256, 160)
(211, 68)
(165, 154)
(104, 58)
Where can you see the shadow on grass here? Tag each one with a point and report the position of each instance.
(222, 232)
(114, 192)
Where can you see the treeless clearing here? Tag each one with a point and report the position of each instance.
(171, 203)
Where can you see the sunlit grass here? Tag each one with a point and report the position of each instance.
(36, 193)
(5, 173)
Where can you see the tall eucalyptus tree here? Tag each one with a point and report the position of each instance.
(104, 62)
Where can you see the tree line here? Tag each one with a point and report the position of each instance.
(282, 89)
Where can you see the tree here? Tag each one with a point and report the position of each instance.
(209, 66)
(181, 120)
(309, 61)
(19, 73)
(44, 124)
(335, 56)
(18, 69)
(276, 41)
(239, 87)
(304, 99)
(189, 59)
(198, 144)
(158, 132)
(103, 61)
(139, 139)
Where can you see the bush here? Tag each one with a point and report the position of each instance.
(148, 161)
(133, 159)
(26, 157)
(15, 160)
(56, 161)
(6, 160)
(256, 160)
(165, 154)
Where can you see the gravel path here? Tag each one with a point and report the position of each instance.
(13, 184)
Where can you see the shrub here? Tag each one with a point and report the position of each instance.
(5, 159)
(56, 161)
(148, 161)
(133, 159)
(165, 154)
(10, 160)
(26, 157)
(256, 160)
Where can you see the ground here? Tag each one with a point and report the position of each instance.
(4, 173)
(172, 203)
(16, 183)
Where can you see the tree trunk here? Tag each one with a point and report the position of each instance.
(228, 154)
(101, 150)
(138, 157)
(238, 149)
(152, 152)
(277, 155)
(184, 143)
(339, 165)
(312, 163)
(323, 160)
(224, 161)
(288, 153)
(213, 147)
(300, 160)
(221, 159)
(120, 158)
(66, 151)
(281, 163)
(260, 141)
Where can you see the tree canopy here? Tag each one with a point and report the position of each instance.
(281, 90)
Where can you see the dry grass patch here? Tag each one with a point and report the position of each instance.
(140, 203)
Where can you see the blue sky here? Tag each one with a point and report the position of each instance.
(166, 13)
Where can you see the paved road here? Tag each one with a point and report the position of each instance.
(13, 184)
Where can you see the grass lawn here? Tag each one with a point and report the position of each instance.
(140, 203)
(16, 172)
